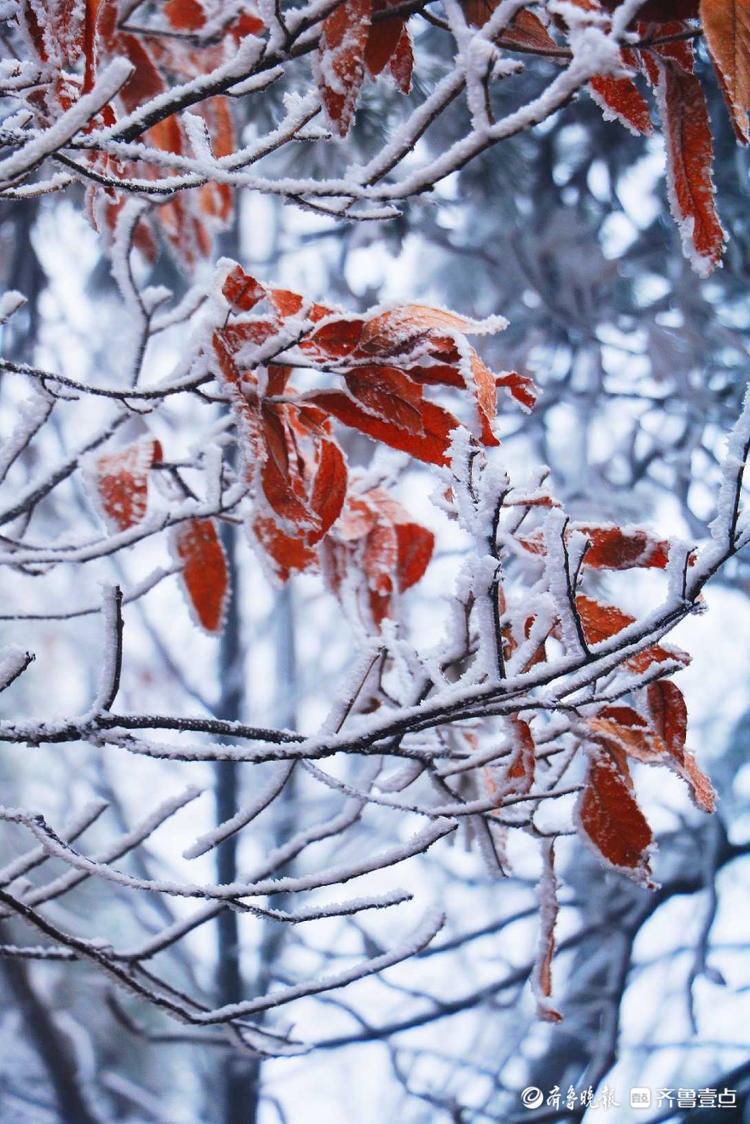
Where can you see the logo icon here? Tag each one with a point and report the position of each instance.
(640, 1097)
(532, 1097)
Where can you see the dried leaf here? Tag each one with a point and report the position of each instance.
(341, 61)
(204, 573)
(668, 711)
(390, 393)
(610, 817)
(382, 41)
(726, 26)
(393, 331)
(541, 976)
(689, 144)
(185, 15)
(431, 444)
(621, 99)
(600, 622)
(401, 64)
(613, 548)
(121, 482)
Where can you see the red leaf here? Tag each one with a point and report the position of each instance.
(726, 25)
(610, 817)
(486, 393)
(341, 61)
(382, 41)
(329, 487)
(527, 30)
(381, 547)
(335, 338)
(204, 573)
(241, 290)
(602, 621)
(121, 481)
(145, 82)
(520, 387)
(390, 393)
(666, 705)
(660, 11)
(621, 98)
(612, 548)
(668, 712)
(683, 111)
(430, 445)
(680, 51)
(288, 554)
(392, 331)
(185, 15)
(402, 61)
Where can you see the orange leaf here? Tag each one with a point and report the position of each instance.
(121, 481)
(380, 546)
(612, 548)
(394, 330)
(204, 572)
(329, 487)
(414, 542)
(520, 387)
(430, 445)
(241, 290)
(701, 789)
(636, 739)
(602, 621)
(668, 712)
(401, 65)
(335, 338)
(390, 393)
(341, 61)
(185, 15)
(666, 706)
(486, 394)
(287, 553)
(609, 815)
(683, 111)
(621, 98)
(726, 25)
(522, 764)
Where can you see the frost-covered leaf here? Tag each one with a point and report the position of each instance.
(668, 712)
(621, 100)
(549, 907)
(373, 552)
(341, 61)
(610, 817)
(120, 480)
(689, 144)
(600, 622)
(431, 443)
(390, 332)
(204, 572)
(726, 26)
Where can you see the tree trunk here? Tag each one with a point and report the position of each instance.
(239, 1076)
